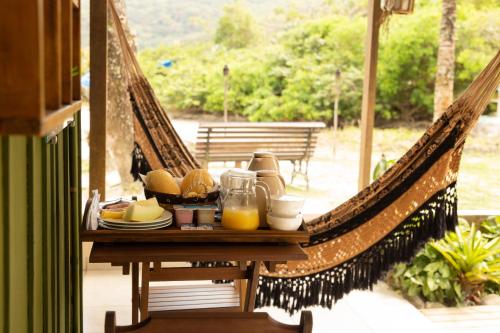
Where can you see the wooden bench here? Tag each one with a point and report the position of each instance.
(209, 322)
(289, 141)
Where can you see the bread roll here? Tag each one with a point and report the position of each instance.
(162, 181)
(197, 181)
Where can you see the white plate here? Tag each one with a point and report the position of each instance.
(158, 226)
(136, 229)
(140, 225)
(164, 217)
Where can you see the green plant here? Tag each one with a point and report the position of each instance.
(475, 258)
(491, 227)
(458, 269)
(429, 277)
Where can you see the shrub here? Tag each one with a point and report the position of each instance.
(458, 269)
(429, 277)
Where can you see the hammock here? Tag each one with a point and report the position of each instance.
(351, 246)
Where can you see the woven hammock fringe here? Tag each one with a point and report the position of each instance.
(139, 163)
(431, 220)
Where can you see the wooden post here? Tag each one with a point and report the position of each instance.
(225, 71)
(336, 110)
(98, 95)
(369, 85)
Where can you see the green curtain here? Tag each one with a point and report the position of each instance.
(40, 203)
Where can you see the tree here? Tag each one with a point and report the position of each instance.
(120, 121)
(445, 70)
(236, 28)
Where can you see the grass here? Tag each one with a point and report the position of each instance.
(479, 181)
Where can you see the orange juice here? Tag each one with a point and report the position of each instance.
(240, 218)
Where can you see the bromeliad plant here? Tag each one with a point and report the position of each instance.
(458, 269)
(475, 258)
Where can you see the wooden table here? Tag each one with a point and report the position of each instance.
(250, 256)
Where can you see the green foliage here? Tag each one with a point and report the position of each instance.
(491, 227)
(303, 75)
(474, 257)
(430, 277)
(236, 28)
(457, 269)
(292, 77)
(407, 65)
(478, 38)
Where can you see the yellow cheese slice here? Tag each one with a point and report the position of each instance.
(141, 213)
(150, 202)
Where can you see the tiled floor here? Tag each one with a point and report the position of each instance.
(360, 312)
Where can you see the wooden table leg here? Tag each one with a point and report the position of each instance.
(144, 290)
(253, 280)
(241, 285)
(242, 289)
(135, 293)
(126, 269)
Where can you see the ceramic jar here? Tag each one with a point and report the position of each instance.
(264, 161)
(274, 183)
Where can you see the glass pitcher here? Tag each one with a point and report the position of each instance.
(240, 205)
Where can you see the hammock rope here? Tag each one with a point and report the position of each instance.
(353, 245)
(157, 144)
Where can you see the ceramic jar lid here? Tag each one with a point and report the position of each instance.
(263, 154)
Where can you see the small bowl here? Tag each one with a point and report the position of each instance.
(286, 205)
(284, 223)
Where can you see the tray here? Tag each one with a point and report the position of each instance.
(176, 235)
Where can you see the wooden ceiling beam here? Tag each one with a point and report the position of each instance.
(98, 95)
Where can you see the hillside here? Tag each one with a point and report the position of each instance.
(156, 22)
